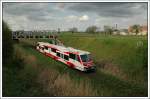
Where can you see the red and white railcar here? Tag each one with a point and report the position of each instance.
(74, 58)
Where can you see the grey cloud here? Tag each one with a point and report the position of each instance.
(33, 11)
(20, 8)
(52, 15)
(110, 9)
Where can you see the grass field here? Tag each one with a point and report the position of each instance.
(121, 68)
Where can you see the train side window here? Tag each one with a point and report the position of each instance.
(53, 50)
(46, 47)
(58, 54)
(42, 48)
(66, 57)
(72, 56)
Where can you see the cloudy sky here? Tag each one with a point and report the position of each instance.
(51, 16)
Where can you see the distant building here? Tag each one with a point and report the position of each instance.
(143, 30)
(120, 32)
(116, 32)
(124, 32)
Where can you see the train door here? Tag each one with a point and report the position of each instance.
(53, 51)
(66, 58)
(60, 56)
(49, 50)
(73, 58)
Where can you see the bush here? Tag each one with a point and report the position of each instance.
(7, 45)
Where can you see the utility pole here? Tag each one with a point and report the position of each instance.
(58, 30)
(116, 27)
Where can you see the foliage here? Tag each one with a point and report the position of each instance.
(121, 68)
(136, 28)
(108, 30)
(125, 52)
(7, 45)
(91, 29)
(73, 30)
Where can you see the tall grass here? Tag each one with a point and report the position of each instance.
(62, 85)
(121, 68)
(37, 80)
(65, 86)
(120, 56)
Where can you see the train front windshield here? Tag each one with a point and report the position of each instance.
(85, 57)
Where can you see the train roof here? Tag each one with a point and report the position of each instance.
(65, 49)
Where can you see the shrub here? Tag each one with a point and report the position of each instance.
(7, 45)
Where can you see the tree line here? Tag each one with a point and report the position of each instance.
(108, 29)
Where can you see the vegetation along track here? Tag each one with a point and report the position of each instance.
(106, 83)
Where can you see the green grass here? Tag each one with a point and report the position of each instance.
(121, 64)
(123, 51)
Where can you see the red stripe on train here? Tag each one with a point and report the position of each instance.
(70, 64)
(52, 56)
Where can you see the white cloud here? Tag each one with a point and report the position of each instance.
(84, 18)
(72, 17)
(77, 18)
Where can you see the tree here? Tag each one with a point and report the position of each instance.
(91, 29)
(108, 30)
(136, 28)
(7, 45)
(73, 30)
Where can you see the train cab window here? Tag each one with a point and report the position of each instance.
(58, 54)
(85, 57)
(72, 56)
(66, 57)
(53, 50)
